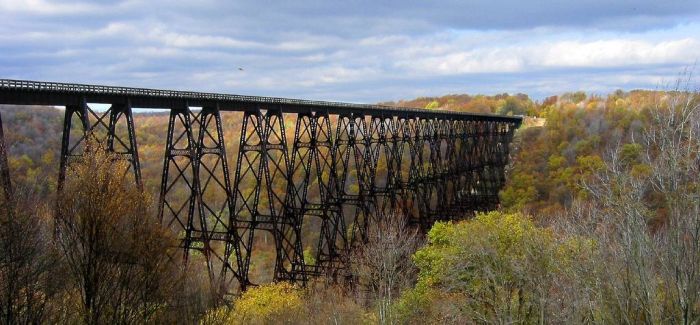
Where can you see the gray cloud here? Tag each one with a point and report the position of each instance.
(351, 50)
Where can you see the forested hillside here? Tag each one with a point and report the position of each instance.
(33, 134)
(599, 223)
(578, 134)
(563, 140)
(506, 104)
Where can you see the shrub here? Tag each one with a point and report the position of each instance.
(275, 303)
(495, 268)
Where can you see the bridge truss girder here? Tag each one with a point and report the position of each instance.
(453, 169)
(346, 166)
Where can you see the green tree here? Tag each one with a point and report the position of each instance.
(496, 268)
(512, 106)
(275, 303)
(433, 105)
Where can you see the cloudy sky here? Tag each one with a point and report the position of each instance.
(360, 51)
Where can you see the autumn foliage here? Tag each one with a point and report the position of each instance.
(599, 223)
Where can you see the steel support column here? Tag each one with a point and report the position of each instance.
(126, 149)
(179, 205)
(311, 192)
(383, 169)
(263, 164)
(214, 198)
(67, 148)
(410, 171)
(104, 132)
(353, 182)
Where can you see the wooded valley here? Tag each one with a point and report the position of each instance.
(599, 223)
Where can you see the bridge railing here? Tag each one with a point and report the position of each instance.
(30, 89)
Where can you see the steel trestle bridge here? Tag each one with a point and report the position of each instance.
(347, 166)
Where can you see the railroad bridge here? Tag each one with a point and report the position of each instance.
(345, 167)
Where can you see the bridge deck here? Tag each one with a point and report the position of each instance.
(25, 92)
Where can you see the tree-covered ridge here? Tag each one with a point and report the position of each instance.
(550, 162)
(32, 136)
(599, 223)
(506, 104)
(564, 136)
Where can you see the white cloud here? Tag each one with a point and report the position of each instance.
(619, 52)
(194, 41)
(52, 8)
(491, 60)
(354, 55)
(538, 55)
(305, 42)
